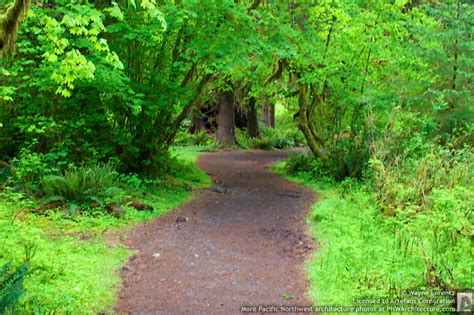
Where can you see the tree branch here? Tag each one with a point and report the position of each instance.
(185, 111)
(254, 5)
(9, 24)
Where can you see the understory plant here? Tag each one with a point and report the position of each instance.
(407, 225)
(81, 184)
(11, 285)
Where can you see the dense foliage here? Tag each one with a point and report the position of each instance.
(381, 92)
(64, 258)
(410, 231)
(95, 81)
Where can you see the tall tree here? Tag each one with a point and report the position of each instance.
(226, 119)
(252, 122)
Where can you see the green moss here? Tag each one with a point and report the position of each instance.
(9, 24)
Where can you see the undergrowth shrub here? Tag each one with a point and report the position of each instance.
(81, 184)
(95, 188)
(5, 174)
(348, 160)
(181, 175)
(131, 180)
(271, 139)
(29, 168)
(200, 138)
(409, 182)
(426, 193)
(12, 278)
(366, 253)
(406, 225)
(305, 164)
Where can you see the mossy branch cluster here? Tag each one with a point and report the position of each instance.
(9, 25)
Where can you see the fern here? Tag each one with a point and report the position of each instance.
(11, 285)
(81, 184)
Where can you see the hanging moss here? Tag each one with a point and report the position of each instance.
(9, 25)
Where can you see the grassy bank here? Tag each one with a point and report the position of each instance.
(73, 264)
(366, 254)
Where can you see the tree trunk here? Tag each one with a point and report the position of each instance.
(9, 24)
(185, 111)
(197, 121)
(226, 120)
(197, 124)
(268, 114)
(314, 142)
(252, 122)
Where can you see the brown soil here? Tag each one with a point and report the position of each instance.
(239, 243)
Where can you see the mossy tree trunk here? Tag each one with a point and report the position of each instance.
(9, 25)
(268, 114)
(313, 139)
(252, 122)
(226, 120)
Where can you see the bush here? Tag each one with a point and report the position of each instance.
(314, 168)
(303, 163)
(426, 193)
(367, 251)
(131, 180)
(271, 139)
(200, 138)
(418, 191)
(81, 184)
(29, 168)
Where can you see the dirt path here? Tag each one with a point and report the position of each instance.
(243, 244)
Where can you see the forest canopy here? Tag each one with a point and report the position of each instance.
(117, 80)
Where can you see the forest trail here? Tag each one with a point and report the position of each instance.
(243, 243)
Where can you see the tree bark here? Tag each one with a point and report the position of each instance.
(9, 24)
(268, 114)
(226, 120)
(312, 139)
(252, 122)
(185, 111)
(197, 124)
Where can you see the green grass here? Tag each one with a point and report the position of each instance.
(75, 262)
(68, 274)
(190, 153)
(365, 254)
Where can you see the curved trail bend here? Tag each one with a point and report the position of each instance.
(243, 243)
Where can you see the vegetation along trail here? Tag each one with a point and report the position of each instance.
(241, 242)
